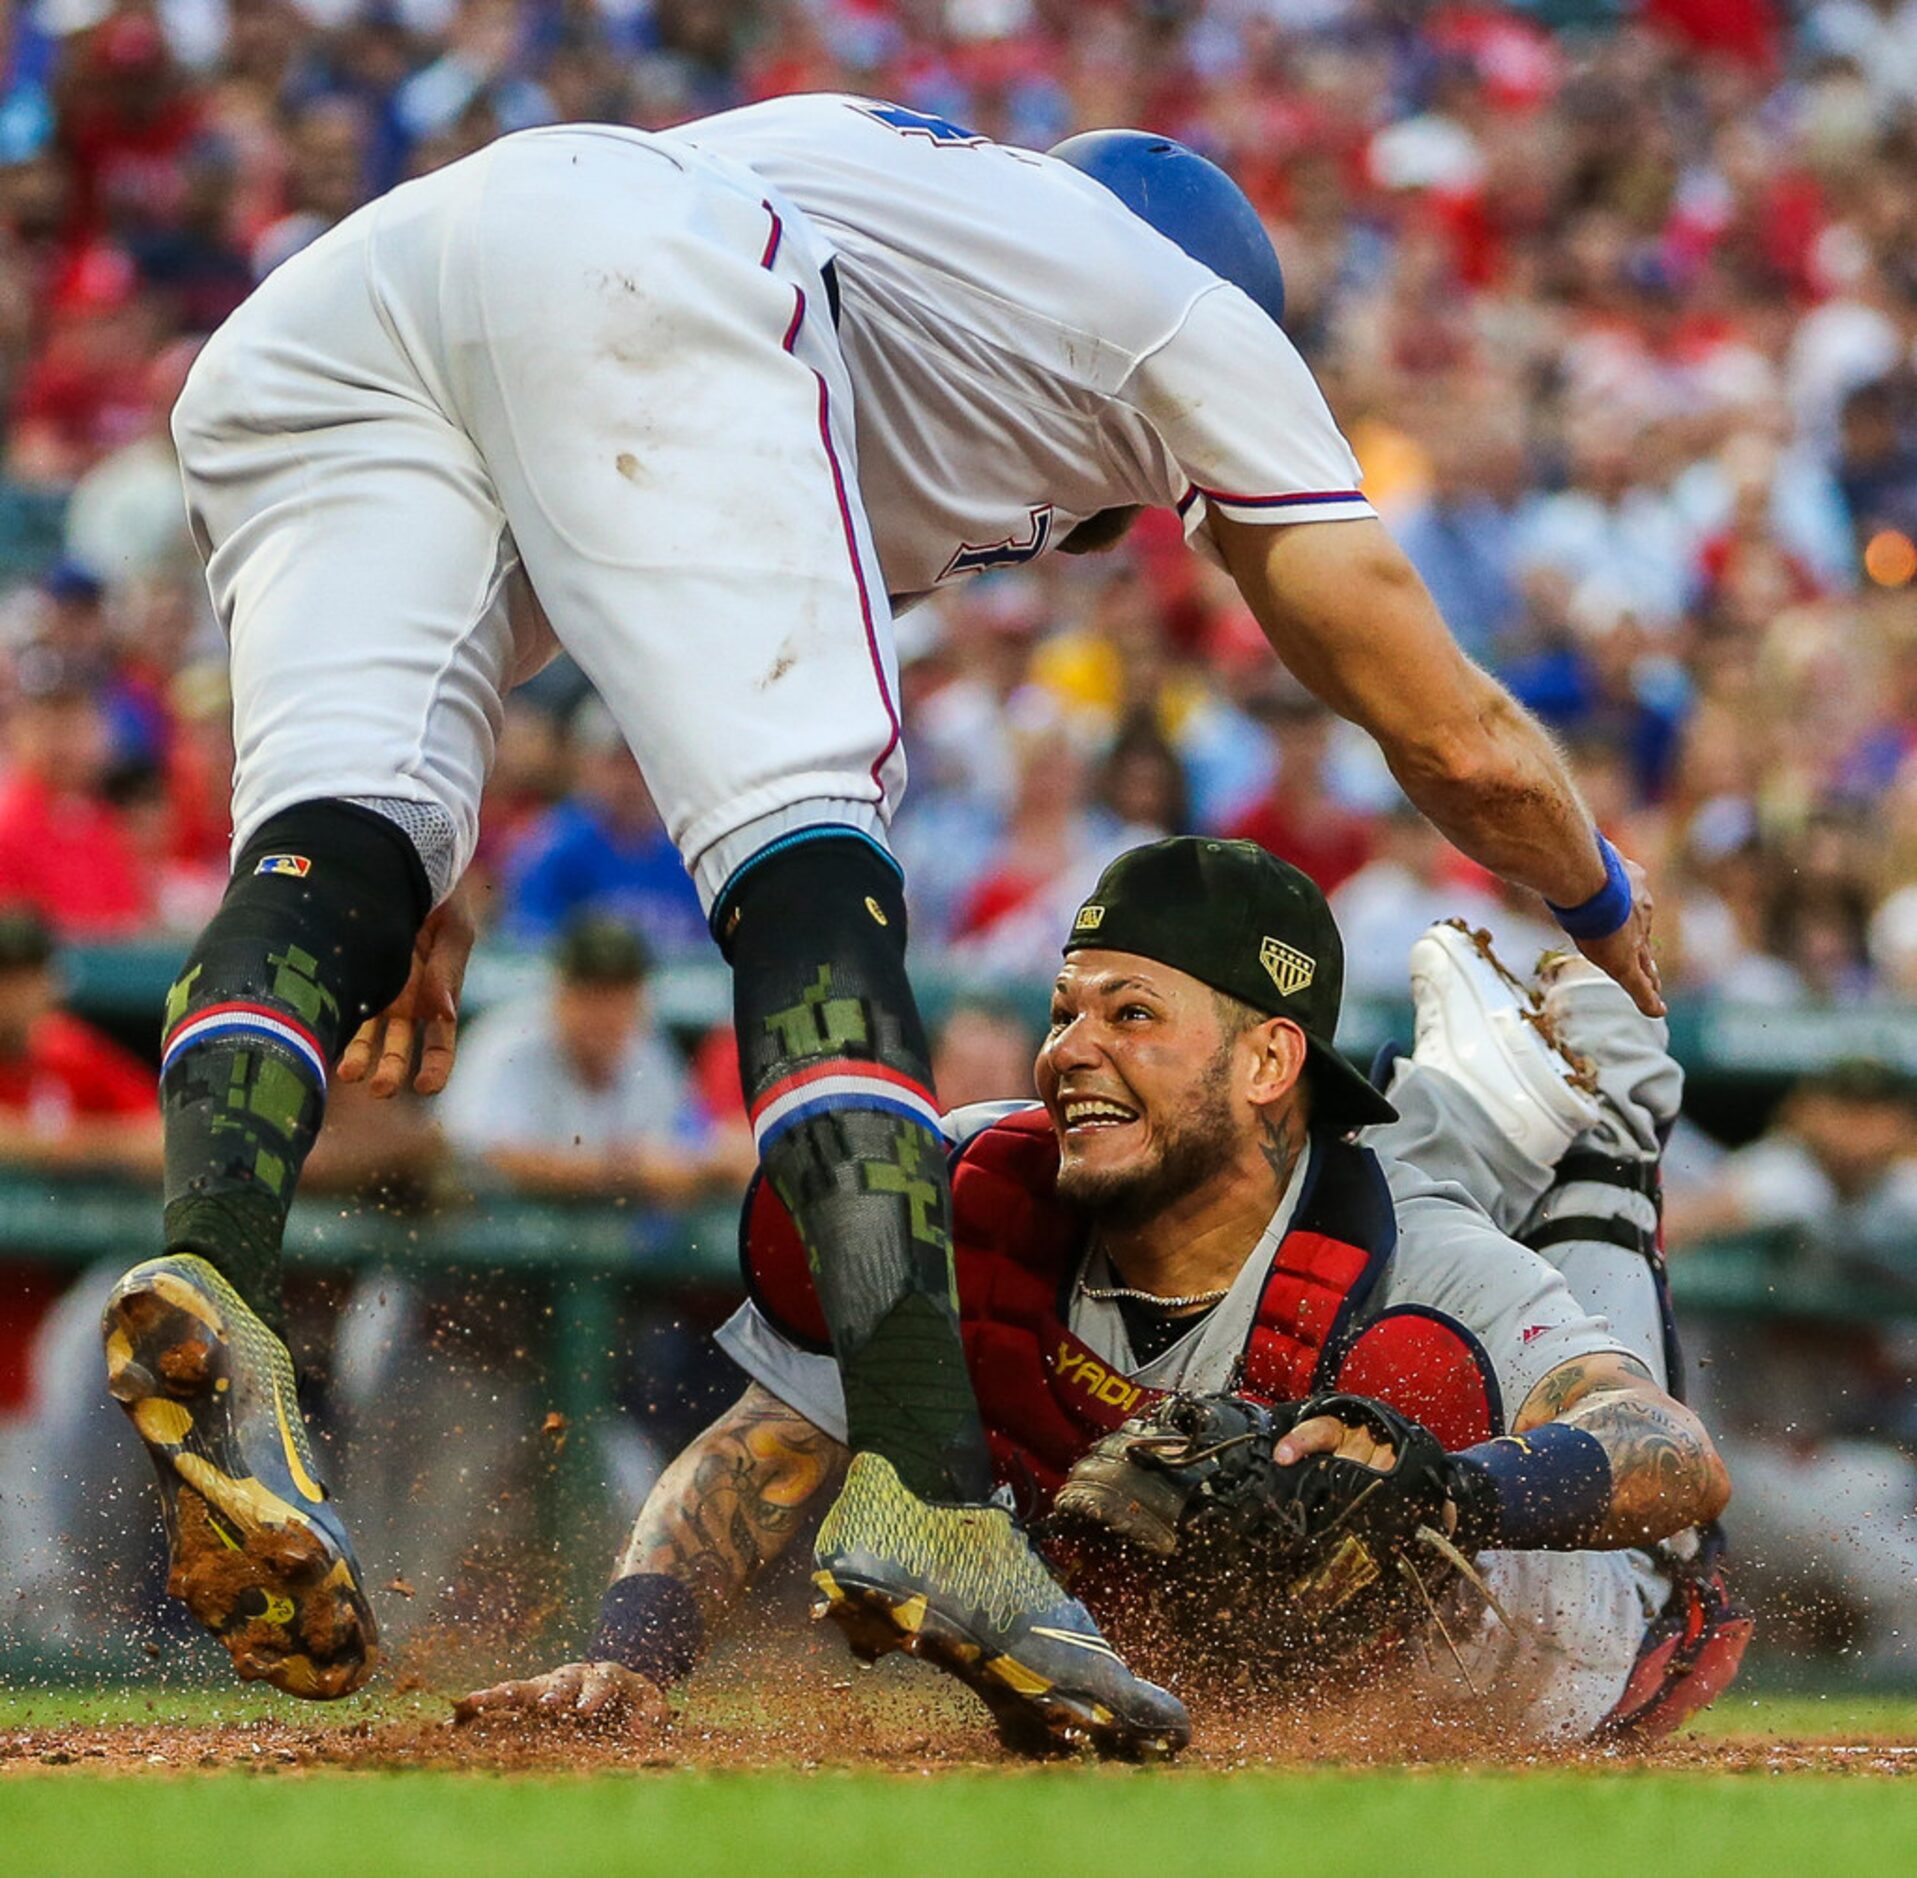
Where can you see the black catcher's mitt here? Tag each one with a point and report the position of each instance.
(1294, 1567)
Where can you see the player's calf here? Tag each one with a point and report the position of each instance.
(315, 933)
(838, 1084)
(1600, 1220)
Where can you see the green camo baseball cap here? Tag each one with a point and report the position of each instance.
(1248, 924)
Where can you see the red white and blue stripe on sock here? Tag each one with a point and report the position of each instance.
(238, 1021)
(841, 1082)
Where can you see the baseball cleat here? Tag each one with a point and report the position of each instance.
(1481, 1025)
(256, 1551)
(961, 1588)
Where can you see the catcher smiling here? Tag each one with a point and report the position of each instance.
(1309, 1373)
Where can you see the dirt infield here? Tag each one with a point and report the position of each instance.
(905, 1725)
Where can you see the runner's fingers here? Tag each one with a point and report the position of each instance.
(599, 1693)
(359, 1053)
(563, 1685)
(395, 1057)
(436, 1055)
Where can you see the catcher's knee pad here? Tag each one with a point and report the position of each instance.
(317, 926)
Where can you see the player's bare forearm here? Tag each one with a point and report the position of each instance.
(732, 1500)
(1346, 611)
(719, 1514)
(1665, 1470)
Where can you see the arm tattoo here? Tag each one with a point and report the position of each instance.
(730, 1503)
(1571, 1382)
(1660, 1466)
(1663, 1470)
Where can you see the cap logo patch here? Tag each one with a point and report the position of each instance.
(296, 864)
(1291, 970)
(1090, 918)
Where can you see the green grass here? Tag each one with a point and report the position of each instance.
(231, 1706)
(1812, 1717)
(787, 1825)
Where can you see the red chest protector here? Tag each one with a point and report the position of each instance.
(1046, 1397)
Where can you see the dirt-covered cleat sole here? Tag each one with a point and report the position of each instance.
(256, 1551)
(1484, 1027)
(960, 1587)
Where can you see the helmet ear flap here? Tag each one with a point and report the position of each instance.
(1189, 200)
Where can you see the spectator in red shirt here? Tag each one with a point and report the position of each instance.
(85, 393)
(1298, 820)
(128, 115)
(64, 852)
(71, 1099)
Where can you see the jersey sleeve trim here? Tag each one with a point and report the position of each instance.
(1305, 505)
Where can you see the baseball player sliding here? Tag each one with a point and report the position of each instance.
(693, 405)
(1438, 1434)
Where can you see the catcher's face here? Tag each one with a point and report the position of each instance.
(1151, 1095)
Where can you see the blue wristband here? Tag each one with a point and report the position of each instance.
(649, 1622)
(1545, 1491)
(1607, 909)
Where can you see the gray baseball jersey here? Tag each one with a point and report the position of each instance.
(1577, 1619)
(1450, 1258)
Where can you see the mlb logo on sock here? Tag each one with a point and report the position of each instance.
(285, 864)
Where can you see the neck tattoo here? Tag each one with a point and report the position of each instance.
(1281, 1141)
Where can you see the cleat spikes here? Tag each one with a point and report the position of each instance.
(254, 1552)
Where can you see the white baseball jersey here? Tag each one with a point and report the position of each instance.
(1026, 352)
(598, 369)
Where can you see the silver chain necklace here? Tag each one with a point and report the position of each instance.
(1110, 1294)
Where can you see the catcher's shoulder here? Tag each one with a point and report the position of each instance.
(963, 1125)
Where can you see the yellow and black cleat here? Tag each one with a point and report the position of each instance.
(961, 1588)
(257, 1552)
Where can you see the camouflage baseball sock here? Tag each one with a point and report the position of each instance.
(837, 1081)
(314, 935)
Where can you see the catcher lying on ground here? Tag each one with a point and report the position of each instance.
(1300, 1397)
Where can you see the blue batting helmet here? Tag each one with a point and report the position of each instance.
(1189, 200)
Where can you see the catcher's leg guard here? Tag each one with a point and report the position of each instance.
(1600, 1223)
(961, 1588)
(1691, 1653)
(315, 933)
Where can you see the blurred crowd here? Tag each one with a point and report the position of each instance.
(1615, 299)
(1617, 310)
